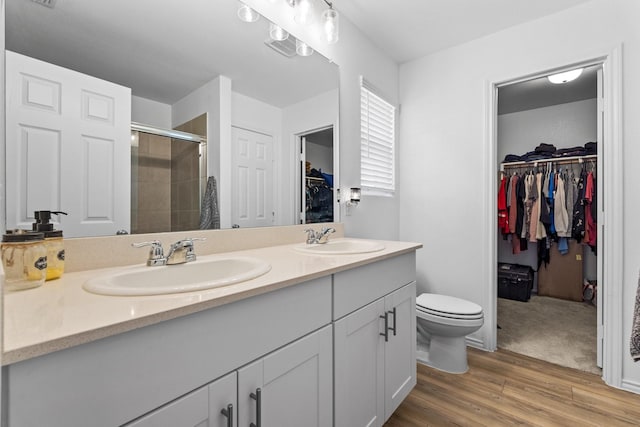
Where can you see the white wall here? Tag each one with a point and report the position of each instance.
(320, 156)
(374, 217)
(565, 126)
(311, 114)
(443, 126)
(152, 113)
(213, 98)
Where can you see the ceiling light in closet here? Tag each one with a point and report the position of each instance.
(565, 77)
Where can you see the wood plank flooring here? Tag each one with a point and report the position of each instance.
(506, 389)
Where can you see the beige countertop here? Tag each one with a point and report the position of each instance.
(61, 314)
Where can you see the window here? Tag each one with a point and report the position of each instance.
(377, 142)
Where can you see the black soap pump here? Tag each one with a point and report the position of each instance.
(53, 242)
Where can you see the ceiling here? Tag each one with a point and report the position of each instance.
(410, 29)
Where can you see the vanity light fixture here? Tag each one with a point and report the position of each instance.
(246, 14)
(303, 14)
(277, 33)
(565, 77)
(303, 49)
(330, 20)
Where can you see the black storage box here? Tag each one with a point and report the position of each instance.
(515, 281)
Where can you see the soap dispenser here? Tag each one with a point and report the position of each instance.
(53, 242)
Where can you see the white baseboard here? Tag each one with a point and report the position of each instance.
(476, 343)
(632, 386)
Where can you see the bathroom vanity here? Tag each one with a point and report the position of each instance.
(319, 340)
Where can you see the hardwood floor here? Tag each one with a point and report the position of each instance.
(506, 389)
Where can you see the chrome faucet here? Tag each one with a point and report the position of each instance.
(318, 237)
(179, 252)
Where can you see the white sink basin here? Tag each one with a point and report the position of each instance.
(204, 273)
(341, 247)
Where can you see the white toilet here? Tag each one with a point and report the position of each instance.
(448, 320)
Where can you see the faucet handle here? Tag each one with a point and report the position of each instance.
(187, 245)
(156, 253)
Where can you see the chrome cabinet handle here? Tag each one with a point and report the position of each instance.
(386, 326)
(257, 396)
(394, 320)
(228, 412)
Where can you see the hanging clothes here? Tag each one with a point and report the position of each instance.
(578, 229)
(503, 215)
(590, 224)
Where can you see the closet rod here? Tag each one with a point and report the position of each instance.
(555, 160)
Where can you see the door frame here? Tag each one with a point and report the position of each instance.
(611, 173)
(300, 151)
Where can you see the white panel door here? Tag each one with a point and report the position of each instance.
(68, 148)
(400, 350)
(359, 368)
(252, 179)
(291, 387)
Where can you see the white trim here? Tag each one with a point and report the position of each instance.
(612, 173)
(632, 386)
(613, 239)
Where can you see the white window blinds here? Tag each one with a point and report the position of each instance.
(377, 142)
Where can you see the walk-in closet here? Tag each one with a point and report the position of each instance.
(548, 191)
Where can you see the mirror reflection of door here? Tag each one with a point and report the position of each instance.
(316, 154)
(252, 179)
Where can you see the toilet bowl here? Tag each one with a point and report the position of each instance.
(447, 320)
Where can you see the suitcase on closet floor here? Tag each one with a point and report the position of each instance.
(515, 281)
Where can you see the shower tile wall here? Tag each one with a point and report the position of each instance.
(153, 210)
(186, 180)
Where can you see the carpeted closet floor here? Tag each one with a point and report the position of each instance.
(558, 331)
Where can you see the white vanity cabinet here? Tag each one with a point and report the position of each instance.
(116, 380)
(337, 350)
(291, 387)
(374, 346)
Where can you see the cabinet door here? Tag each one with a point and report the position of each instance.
(359, 367)
(200, 408)
(223, 396)
(400, 350)
(290, 387)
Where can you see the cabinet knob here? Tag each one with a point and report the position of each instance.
(257, 396)
(228, 412)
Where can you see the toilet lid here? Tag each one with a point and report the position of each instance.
(448, 315)
(447, 305)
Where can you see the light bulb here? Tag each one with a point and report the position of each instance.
(277, 33)
(330, 19)
(304, 12)
(246, 14)
(565, 77)
(303, 49)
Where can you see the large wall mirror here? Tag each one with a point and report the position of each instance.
(190, 66)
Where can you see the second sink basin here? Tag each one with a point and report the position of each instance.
(341, 247)
(204, 273)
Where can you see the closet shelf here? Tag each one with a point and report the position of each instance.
(554, 160)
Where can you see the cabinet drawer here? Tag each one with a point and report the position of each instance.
(360, 286)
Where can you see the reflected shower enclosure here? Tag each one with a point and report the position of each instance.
(168, 177)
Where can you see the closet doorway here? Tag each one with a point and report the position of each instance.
(549, 138)
(317, 158)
